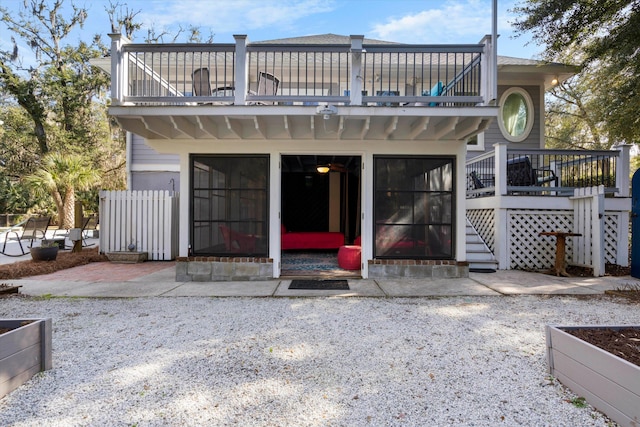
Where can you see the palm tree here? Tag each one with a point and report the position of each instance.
(61, 175)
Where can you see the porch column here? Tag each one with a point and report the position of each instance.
(623, 169)
(118, 68)
(241, 87)
(501, 168)
(501, 214)
(355, 95)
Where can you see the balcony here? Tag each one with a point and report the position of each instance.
(354, 89)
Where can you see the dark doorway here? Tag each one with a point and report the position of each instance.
(320, 199)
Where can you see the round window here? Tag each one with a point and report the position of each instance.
(516, 114)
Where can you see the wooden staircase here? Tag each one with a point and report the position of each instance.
(479, 256)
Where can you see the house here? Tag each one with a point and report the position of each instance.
(390, 151)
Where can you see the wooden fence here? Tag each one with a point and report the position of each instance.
(141, 221)
(588, 221)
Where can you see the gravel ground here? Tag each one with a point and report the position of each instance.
(303, 362)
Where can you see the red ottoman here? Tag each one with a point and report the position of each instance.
(349, 257)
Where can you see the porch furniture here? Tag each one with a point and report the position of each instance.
(267, 86)
(560, 266)
(89, 223)
(224, 91)
(200, 79)
(310, 239)
(521, 173)
(34, 228)
(349, 257)
(236, 242)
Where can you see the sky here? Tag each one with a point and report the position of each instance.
(404, 21)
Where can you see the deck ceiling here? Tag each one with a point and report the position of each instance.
(306, 123)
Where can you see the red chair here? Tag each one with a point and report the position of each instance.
(236, 242)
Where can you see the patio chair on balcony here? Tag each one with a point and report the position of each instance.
(267, 86)
(200, 79)
(521, 173)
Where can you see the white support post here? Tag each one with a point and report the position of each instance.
(623, 169)
(501, 168)
(119, 69)
(356, 70)
(502, 250)
(242, 71)
(488, 87)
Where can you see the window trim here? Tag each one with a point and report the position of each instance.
(530, 117)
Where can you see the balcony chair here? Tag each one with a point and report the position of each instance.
(200, 79)
(521, 173)
(34, 228)
(267, 86)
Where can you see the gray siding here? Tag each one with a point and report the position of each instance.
(493, 135)
(142, 154)
(155, 181)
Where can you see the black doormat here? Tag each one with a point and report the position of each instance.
(331, 285)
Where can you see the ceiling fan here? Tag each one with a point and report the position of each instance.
(334, 167)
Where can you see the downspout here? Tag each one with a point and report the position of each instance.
(129, 155)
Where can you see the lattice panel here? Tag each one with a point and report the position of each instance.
(611, 230)
(483, 220)
(527, 250)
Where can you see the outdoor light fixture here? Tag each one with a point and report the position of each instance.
(554, 81)
(327, 111)
(323, 168)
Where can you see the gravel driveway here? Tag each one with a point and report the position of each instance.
(303, 362)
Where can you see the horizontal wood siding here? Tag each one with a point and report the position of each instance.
(493, 135)
(142, 154)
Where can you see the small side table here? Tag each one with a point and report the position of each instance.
(560, 268)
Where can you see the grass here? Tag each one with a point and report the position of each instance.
(64, 260)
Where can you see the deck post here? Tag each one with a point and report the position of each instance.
(355, 95)
(242, 71)
(119, 68)
(501, 168)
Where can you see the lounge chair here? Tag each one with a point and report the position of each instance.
(32, 229)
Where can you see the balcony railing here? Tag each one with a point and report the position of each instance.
(300, 74)
(521, 172)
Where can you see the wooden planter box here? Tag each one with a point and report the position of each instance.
(607, 382)
(24, 351)
(127, 257)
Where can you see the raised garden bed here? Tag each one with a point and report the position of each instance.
(608, 382)
(25, 350)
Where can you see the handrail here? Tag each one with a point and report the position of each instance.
(157, 74)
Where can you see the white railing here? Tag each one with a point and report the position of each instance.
(141, 221)
(354, 73)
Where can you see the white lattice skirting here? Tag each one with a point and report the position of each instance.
(529, 251)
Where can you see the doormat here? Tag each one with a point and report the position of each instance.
(330, 285)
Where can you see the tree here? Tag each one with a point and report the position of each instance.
(61, 96)
(61, 175)
(606, 34)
